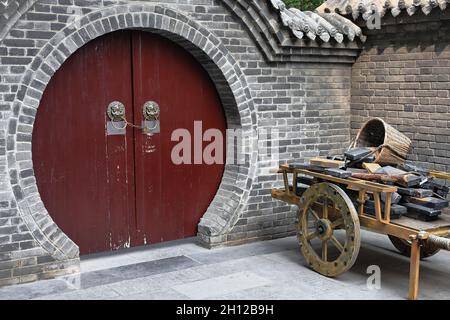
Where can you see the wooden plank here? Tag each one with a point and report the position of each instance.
(404, 227)
(356, 184)
(372, 224)
(408, 180)
(327, 163)
(356, 170)
(430, 226)
(281, 195)
(371, 167)
(374, 186)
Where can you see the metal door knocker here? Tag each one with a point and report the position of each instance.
(151, 113)
(116, 114)
(116, 111)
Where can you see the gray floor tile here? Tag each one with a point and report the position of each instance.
(138, 270)
(167, 294)
(217, 286)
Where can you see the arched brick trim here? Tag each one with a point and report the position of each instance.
(223, 69)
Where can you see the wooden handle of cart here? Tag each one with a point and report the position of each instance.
(439, 242)
(440, 175)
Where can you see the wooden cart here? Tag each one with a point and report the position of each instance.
(326, 210)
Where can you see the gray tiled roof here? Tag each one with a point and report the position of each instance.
(365, 8)
(312, 25)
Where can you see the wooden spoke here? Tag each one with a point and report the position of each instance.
(314, 214)
(325, 250)
(312, 235)
(325, 209)
(337, 223)
(337, 244)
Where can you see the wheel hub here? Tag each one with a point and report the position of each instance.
(324, 229)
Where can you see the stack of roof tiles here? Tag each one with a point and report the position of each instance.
(312, 25)
(365, 8)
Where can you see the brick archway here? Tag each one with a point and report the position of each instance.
(223, 69)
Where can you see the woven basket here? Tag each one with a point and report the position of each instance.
(377, 132)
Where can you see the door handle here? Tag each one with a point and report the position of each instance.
(116, 111)
(151, 111)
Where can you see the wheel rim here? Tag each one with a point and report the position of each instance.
(326, 209)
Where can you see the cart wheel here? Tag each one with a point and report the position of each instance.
(404, 246)
(328, 229)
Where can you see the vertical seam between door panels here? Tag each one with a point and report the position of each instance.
(133, 101)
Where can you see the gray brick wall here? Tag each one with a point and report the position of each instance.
(265, 78)
(309, 104)
(403, 76)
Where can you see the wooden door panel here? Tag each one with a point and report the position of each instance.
(171, 199)
(86, 179)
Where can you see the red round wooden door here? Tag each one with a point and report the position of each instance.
(108, 192)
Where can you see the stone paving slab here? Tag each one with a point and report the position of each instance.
(262, 270)
(137, 270)
(222, 285)
(95, 262)
(167, 294)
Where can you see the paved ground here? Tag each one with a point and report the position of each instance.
(264, 270)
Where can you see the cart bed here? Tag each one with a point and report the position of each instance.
(443, 222)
